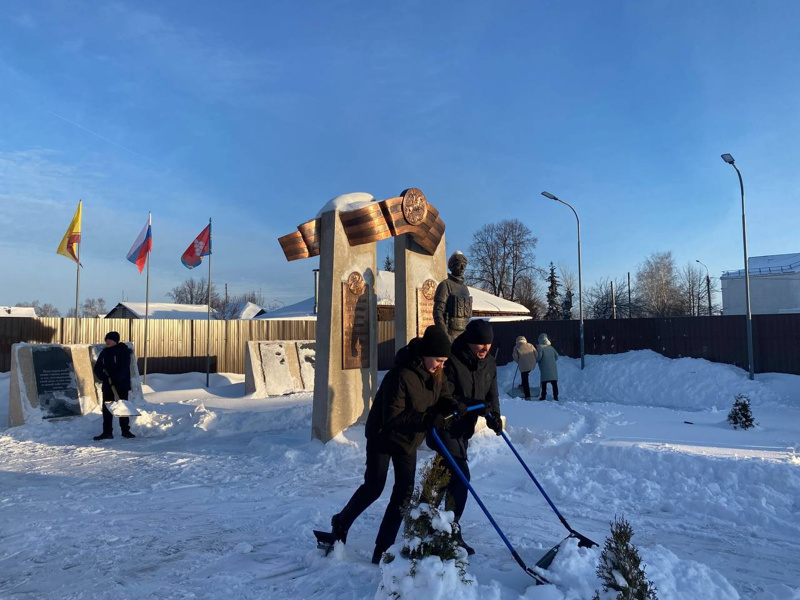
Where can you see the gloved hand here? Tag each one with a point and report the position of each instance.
(460, 409)
(494, 422)
(433, 420)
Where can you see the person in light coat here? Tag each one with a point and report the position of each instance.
(548, 370)
(525, 355)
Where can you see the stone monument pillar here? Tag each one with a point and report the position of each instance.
(417, 273)
(345, 380)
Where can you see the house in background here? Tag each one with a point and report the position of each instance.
(159, 310)
(484, 305)
(18, 311)
(774, 286)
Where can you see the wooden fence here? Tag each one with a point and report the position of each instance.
(180, 346)
(174, 346)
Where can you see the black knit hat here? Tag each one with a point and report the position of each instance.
(435, 342)
(113, 335)
(479, 332)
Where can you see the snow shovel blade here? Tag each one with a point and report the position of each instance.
(122, 408)
(325, 540)
(547, 559)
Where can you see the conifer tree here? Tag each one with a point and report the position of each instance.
(741, 415)
(553, 305)
(621, 568)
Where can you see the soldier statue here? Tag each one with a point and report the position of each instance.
(452, 304)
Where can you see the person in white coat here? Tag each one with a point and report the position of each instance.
(525, 355)
(548, 370)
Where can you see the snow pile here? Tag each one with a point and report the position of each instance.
(573, 576)
(429, 578)
(646, 378)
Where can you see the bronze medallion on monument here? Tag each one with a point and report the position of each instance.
(415, 206)
(425, 296)
(355, 322)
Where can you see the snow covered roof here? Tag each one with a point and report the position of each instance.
(481, 302)
(164, 310)
(17, 311)
(768, 265)
(246, 310)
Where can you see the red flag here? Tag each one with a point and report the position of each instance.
(199, 248)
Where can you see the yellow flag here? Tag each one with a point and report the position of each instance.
(72, 237)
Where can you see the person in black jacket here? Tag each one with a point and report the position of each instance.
(472, 372)
(413, 397)
(113, 368)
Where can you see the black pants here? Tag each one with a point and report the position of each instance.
(457, 489)
(526, 386)
(108, 418)
(405, 466)
(544, 389)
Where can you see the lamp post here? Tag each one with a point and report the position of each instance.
(580, 273)
(729, 159)
(708, 288)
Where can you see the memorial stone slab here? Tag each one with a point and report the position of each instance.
(306, 354)
(278, 378)
(56, 384)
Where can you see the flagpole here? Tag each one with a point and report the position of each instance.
(208, 316)
(147, 302)
(77, 294)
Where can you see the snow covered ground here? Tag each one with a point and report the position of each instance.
(217, 496)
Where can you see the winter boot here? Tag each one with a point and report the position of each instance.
(339, 532)
(103, 436)
(460, 541)
(128, 434)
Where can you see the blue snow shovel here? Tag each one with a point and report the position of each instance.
(583, 541)
(536, 577)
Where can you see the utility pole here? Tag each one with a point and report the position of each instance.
(613, 302)
(629, 295)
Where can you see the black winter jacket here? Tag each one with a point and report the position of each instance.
(407, 392)
(474, 382)
(116, 361)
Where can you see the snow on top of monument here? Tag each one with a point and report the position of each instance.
(165, 310)
(347, 202)
(17, 311)
(773, 264)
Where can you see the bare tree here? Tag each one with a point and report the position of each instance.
(501, 254)
(657, 286)
(530, 295)
(194, 291)
(93, 308)
(42, 310)
(600, 303)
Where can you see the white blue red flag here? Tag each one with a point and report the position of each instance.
(199, 248)
(142, 247)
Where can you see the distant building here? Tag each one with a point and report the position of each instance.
(484, 304)
(17, 311)
(774, 286)
(159, 310)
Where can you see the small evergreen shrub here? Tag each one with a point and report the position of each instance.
(620, 568)
(741, 415)
(430, 530)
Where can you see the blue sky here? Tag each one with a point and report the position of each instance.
(257, 113)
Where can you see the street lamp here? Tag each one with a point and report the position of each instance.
(580, 274)
(729, 159)
(708, 287)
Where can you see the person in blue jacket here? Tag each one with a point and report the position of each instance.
(113, 368)
(548, 369)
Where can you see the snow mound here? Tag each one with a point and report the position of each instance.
(347, 202)
(433, 579)
(573, 576)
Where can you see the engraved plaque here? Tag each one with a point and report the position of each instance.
(355, 323)
(56, 384)
(425, 296)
